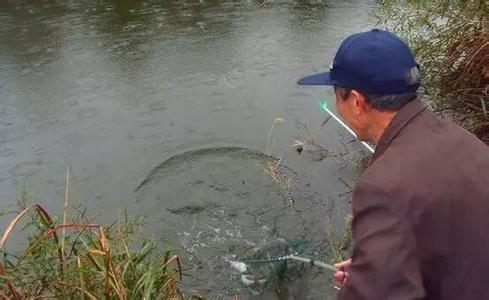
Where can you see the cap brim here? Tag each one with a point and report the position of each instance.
(317, 79)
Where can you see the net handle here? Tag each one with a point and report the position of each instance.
(312, 262)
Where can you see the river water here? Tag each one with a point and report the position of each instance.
(180, 96)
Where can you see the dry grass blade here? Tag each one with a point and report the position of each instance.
(112, 278)
(16, 220)
(272, 170)
(483, 105)
(271, 143)
(168, 283)
(65, 208)
(177, 260)
(15, 292)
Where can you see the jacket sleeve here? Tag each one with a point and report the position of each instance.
(384, 262)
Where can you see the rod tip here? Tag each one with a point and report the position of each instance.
(323, 104)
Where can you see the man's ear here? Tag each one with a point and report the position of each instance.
(359, 104)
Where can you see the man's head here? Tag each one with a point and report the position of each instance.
(374, 74)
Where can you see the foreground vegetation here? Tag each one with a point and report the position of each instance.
(79, 259)
(451, 42)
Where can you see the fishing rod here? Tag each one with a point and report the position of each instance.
(324, 106)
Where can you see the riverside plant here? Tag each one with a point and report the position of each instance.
(272, 169)
(451, 42)
(76, 258)
(339, 242)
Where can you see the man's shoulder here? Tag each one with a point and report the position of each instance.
(427, 154)
(433, 131)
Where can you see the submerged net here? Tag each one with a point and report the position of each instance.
(267, 265)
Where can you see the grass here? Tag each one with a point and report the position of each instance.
(270, 141)
(451, 42)
(272, 169)
(79, 259)
(339, 243)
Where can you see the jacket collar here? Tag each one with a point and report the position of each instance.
(400, 120)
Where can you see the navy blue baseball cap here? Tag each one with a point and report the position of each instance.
(376, 61)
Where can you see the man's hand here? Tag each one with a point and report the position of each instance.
(341, 275)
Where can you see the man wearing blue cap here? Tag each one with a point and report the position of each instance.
(421, 209)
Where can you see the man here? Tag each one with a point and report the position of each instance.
(421, 210)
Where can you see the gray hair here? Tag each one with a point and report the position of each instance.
(387, 102)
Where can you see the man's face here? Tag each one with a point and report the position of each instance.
(355, 112)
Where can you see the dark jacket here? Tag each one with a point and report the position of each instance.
(421, 214)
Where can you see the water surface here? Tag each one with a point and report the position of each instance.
(117, 87)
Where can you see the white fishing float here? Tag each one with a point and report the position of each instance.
(324, 106)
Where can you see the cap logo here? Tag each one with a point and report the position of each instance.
(412, 76)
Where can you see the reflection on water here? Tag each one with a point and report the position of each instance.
(116, 87)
